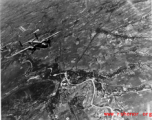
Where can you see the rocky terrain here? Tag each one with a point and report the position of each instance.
(99, 62)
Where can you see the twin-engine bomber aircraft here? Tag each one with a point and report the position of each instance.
(35, 44)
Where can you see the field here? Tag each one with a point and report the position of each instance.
(109, 39)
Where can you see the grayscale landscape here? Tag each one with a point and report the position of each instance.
(100, 60)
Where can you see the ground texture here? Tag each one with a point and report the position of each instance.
(103, 51)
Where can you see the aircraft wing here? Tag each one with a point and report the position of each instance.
(44, 38)
(50, 36)
(19, 52)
